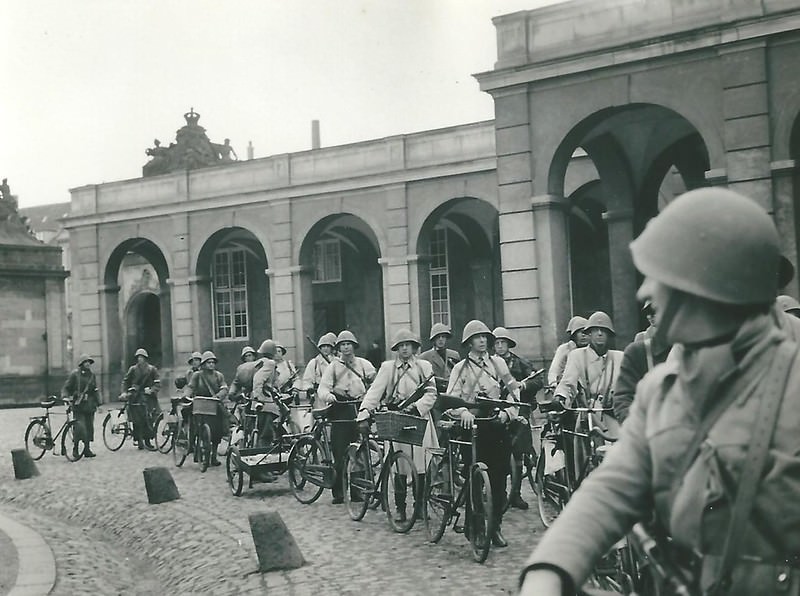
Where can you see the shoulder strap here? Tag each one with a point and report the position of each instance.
(774, 391)
(648, 351)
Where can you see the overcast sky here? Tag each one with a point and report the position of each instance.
(88, 84)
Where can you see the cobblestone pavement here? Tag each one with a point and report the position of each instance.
(107, 539)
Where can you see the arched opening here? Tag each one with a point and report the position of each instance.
(459, 265)
(233, 294)
(136, 299)
(342, 280)
(644, 155)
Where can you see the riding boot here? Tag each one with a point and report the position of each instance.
(400, 493)
(516, 499)
(498, 540)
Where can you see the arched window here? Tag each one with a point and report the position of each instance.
(229, 283)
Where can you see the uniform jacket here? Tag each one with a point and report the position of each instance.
(79, 383)
(483, 373)
(243, 379)
(634, 366)
(594, 373)
(441, 367)
(519, 369)
(285, 369)
(208, 383)
(313, 372)
(559, 362)
(790, 325)
(340, 378)
(141, 377)
(638, 472)
(648, 333)
(265, 374)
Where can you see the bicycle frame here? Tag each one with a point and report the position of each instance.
(53, 439)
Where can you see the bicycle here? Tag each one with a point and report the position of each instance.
(118, 426)
(166, 426)
(39, 436)
(440, 507)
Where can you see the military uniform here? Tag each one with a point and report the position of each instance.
(143, 379)
(210, 383)
(443, 362)
(242, 383)
(81, 388)
(636, 363)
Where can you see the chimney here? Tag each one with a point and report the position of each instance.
(315, 134)
(249, 149)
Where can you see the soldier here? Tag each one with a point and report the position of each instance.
(577, 339)
(317, 365)
(710, 448)
(242, 384)
(789, 305)
(650, 314)
(787, 312)
(81, 389)
(440, 356)
(521, 438)
(347, 378)
(209, 382)
(141, 383)
(194, 366)
(398, 379)
(286, 373)
(262, 394)
(482, 373)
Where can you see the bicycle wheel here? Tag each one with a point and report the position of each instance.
(581, 450)
(165, 432)
(73, 440)
(548, 504)
(115, 429)
(307, 472)
(358, 481)
(481, 522)
(399, 492)
(437, 503)
(376, 460)
(181, 444)
(233, 470)
(205, 447)
(37, 439)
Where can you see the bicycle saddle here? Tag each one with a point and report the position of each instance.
(50, 402)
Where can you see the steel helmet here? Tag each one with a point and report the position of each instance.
(346, 335)
(329, 339)
(281, 347)
(473, 328)
(142, 352)
(712, 243)
(85, 358)
(787, 304)
(576, 324)
(247, 350)
(600, 320)
(503, 333)
(208, 355)
(267, 348)
(440, 329)
(404, 335)
(194, 355)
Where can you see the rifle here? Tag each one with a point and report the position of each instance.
(416, 395)
(288, 383)
(316, 347)
(676, 579)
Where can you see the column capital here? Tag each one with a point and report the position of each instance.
(107, 288)
(178, 282)
(617, 215)
(555, 202)
(198, 279)
(288, 271)
(401, 260)
(717, 176)
(784, 166)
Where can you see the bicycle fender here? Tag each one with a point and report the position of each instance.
(481, 466)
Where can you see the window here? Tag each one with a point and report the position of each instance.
(327, 261)
(440, 287)
(229, 289)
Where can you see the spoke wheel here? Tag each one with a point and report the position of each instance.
(482, 516)
(37, 439)
(233, 470)
(115, 429)
(438, 503)
(205, 447)
(165, 431)
(358, 481)
(580, 450)
(73, 440)
(399, 492)
(181, 444)
(547, 501)
(307, 471)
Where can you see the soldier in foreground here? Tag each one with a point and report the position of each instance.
(710, 449)
(141, 384)
(81, 388)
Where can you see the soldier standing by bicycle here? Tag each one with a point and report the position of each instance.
(710, 448)
(263, 393)
(314, 369)
(440, 356)
(209, 382)
(141, 384)
(347, 378)
(483, 374)
(81, 388)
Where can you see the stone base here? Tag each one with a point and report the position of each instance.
(275, 545)
(160, 486)
(24, 466)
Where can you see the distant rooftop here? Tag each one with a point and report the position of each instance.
(45, 218)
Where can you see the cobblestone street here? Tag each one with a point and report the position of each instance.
(107, 539)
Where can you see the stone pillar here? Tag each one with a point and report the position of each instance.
(183, 326)
(396, 294)
(623, 275)
(201, 309)
(56, 329)
(111, 365)
(286, 305)
(783, 187)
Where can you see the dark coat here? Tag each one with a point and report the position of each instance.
(81, 385)
(633, 368)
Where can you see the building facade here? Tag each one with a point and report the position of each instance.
(603, 113)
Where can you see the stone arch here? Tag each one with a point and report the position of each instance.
(143, 324)
(233, 306)
(466, 283)
(341, 279)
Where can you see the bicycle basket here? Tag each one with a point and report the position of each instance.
(400, 428)
(205, 406)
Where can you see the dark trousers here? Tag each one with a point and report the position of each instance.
(86, 419)
(342, 434)
(142, 430)
(266, 428)
(494, 450)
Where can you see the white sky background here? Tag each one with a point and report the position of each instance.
(88, 84)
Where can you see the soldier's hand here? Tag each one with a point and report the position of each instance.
(363, 428)
(148, 390)
(503, 416)
(411, 409)
(467, 419)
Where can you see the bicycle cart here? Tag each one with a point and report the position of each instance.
(257, 462)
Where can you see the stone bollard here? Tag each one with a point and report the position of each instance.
(24, 466)
(275, 545)
(160, 486)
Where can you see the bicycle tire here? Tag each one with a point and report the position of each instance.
(38, 439)
(437, 506)
(115, 429)
(481, 519)
(180, 449)
(165, 433)
(306, 470)
(548, 509)
(234, 472)
(580, 460)
(358, 481)
(400, 465)
(73, 440)
(376, 460)
(204, 444)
